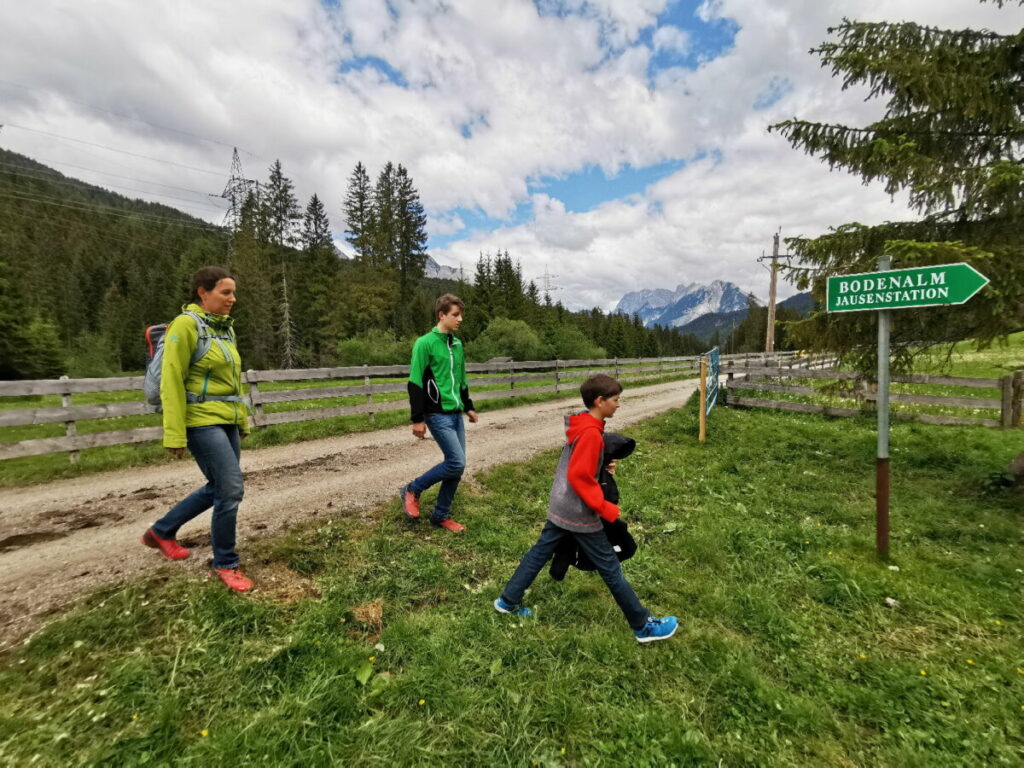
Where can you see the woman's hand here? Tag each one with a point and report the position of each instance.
(610, 468)
(177, 452)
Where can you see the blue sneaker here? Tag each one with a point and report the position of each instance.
(519, 610)
(657, 629)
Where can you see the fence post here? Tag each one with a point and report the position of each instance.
(616, 367)
(512, 378)
(1006, 412)
(70, 428)
(557, 381)
(369, 396)
(702, 432)
(254, 397)
(1018, 396)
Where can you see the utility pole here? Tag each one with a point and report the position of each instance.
(235, 192)
(769, 343)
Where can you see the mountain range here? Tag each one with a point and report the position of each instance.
(674, 309)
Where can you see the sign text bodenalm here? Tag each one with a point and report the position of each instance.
(904, 288)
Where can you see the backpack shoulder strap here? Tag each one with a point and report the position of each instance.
(203, 342)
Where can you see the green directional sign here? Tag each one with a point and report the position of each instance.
(904, 288)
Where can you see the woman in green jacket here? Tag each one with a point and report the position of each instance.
(204, 411)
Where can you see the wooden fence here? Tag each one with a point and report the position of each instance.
(860, 393)
(266, 388)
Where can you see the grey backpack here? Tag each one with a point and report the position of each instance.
(155, 357)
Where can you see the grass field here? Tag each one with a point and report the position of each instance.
(374, 643)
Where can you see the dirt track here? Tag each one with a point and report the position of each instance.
(62, 539)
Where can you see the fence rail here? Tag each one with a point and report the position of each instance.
(750, 378)
(529, 377)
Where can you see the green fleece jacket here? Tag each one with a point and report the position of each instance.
(215, 374)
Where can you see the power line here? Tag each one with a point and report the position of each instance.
(107, 173)
(113, 149)
(75, 183)
(134, 119)
(87, 207)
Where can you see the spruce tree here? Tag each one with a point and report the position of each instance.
(358, 212)
(281, 215)
(951, 139)
(384, 218)
(315, 300)
(410, 244)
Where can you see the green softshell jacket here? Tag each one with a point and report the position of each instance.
(437, 376)
(212, 375)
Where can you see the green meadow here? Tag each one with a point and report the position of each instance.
(373, 641)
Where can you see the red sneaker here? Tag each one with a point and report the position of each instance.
(169, 547)
(234, 578)
(451, 525)
(410, 502)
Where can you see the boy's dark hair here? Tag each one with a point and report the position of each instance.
(599, 385)
(207, 279)
(444, 304)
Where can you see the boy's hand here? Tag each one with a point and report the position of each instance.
(177, 452)
(473, 417)
(420, 430)
(610, 467)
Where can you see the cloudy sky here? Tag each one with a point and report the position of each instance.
(614, 144)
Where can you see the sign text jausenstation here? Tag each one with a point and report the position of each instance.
(904, 288)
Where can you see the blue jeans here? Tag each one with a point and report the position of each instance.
(449, 431)
(216, 450)
(600, 552)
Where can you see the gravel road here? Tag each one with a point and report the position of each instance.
(63, 539)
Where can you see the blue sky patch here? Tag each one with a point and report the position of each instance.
(478, 221)
(586, 189)
(360, 63)
(777, 88)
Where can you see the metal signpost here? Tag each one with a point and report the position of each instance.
(896, 289)
(708, 388)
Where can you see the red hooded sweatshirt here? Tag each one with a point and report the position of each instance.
(584, 436)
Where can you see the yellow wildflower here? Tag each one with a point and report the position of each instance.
(970, 661)
(371, 658)
(944, 703)
(999, 623)
(422, 702)
(204, 733)
(923, 672)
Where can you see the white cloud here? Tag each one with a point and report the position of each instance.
(673, 39)
(539, 93)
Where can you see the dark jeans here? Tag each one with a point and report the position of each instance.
(449, 431)
(597, 548)
(216, 450)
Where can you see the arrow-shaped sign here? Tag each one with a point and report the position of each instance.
(904, 288)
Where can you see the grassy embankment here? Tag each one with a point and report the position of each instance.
(32, 469)
(374, 643)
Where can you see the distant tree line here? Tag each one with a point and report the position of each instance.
(83, 271)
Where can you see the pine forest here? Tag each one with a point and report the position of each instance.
(83, 272)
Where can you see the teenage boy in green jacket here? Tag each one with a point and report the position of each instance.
(438, 396)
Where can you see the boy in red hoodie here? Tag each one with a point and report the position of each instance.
(576, 508)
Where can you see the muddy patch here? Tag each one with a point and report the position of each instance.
(28, 539)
